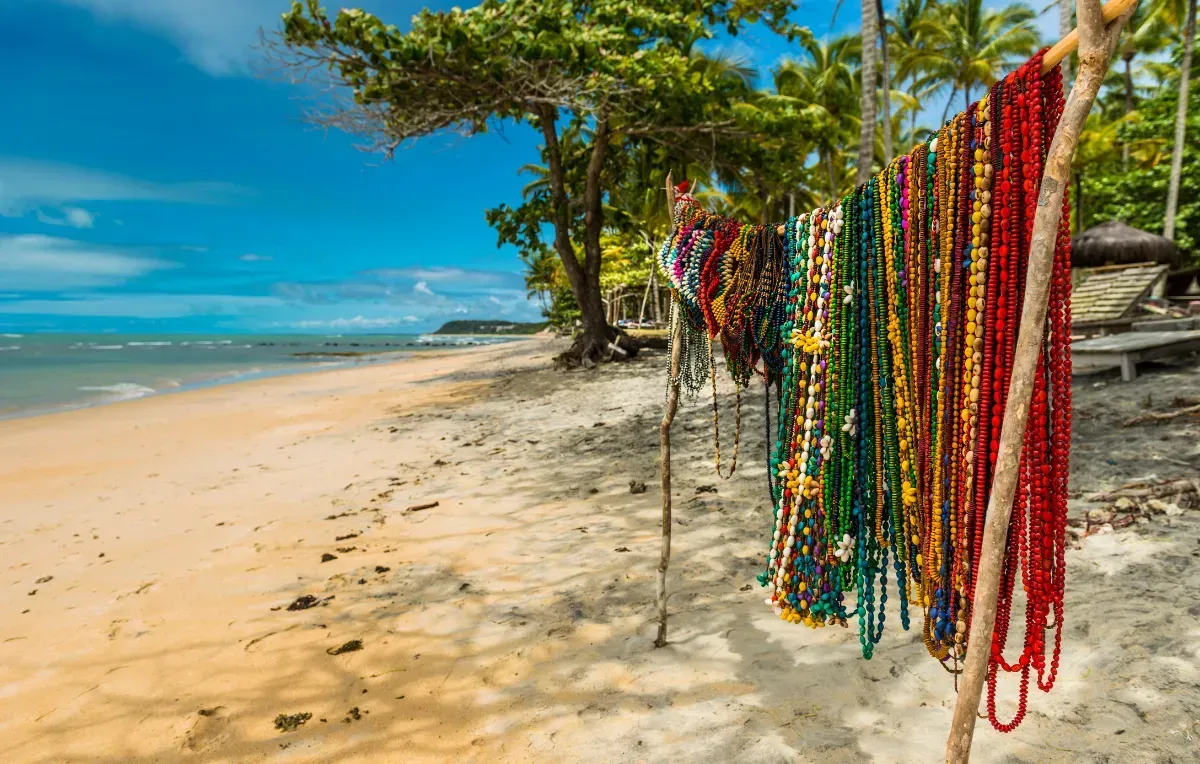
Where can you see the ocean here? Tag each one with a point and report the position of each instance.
(41, 373)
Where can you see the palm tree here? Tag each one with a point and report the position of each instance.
(825, 85)
(886, 68)
(866, 131)
(1171, 11)
(910, 44)
(971, 46)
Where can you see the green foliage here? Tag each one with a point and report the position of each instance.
(969, 48)
(602, 80)
(621, 94)
(1137, 195)
(562, 311)
(460, 69)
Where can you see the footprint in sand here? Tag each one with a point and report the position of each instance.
(210, 729)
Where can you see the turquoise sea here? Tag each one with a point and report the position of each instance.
(40, 373)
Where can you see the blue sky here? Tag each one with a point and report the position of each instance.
(149, 181)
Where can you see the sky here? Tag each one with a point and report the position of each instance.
(151, 179)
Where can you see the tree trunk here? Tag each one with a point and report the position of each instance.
(1189, 36)
(1128, 58)
(866, 136)
(1066, 22)
(949, 103)
(886, 81)
(833, 189)
(1096, 43)
(593, 208)
(596, 332)
(912, 123)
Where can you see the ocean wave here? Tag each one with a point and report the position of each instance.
(122, 391)
(10, 347)
(453, 341)
(12, 336)
(104, 347)
(147, 344)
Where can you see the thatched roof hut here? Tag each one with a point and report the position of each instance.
(1114, 243)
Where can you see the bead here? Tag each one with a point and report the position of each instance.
(895, 363)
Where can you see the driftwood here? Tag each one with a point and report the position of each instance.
(1135, 502)
(1097, 39)
(1142, 490)
(419, 507)
(664, 448)
(1166, 416)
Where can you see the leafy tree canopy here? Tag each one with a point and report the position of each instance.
(460, 69)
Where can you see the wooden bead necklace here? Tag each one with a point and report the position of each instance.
(888, 322)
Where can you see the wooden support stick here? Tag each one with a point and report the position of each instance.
(1097, 40)
(664, 446)
(1063, 48)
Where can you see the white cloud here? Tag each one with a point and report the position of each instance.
(215, 35)
(75, 217)
(422, 288)
(250, 257)
(358, 322)
(141, 305)
(458, 276)
(47, 263)
(26, 184)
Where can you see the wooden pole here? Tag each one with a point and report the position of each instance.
(649, 286)
(1097, 39)
(664, 446)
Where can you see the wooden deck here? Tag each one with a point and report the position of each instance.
(1127, 350)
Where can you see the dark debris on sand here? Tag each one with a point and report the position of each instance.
(291, 722)
(349, 647)
(308, 601)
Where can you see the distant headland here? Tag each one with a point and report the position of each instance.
(490, 327)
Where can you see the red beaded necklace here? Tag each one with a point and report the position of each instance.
(1036, 542)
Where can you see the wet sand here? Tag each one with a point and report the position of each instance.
(258, 572)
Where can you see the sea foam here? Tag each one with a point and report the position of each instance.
(122, 391)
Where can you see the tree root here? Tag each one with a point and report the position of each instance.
(589, 350)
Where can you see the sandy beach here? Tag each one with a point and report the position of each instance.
(259, 572)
